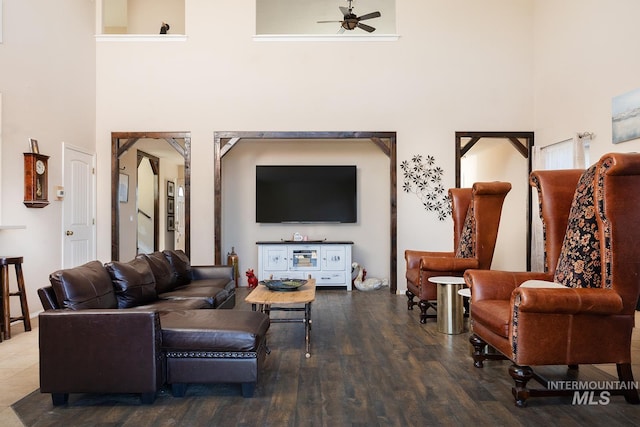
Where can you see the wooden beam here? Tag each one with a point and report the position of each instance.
(522, 148)
(176, 146)
(126, 146)
(224, 141)
(469, 145)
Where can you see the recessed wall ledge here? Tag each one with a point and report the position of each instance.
(141, 37)
(325, 37)
(12, 227)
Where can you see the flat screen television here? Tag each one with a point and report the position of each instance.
(306, 194)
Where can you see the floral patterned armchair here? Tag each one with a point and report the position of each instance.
(582, 311)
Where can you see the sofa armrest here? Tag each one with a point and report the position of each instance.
(202, 272)
(447, 263)
(413, 257)
(568, 301)
(498, 285)
(100, 351)
(48, 298)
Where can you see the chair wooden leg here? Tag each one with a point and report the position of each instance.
(410, 301)
(6, 316)
(625, 375)
(1, 313)
(147, 398)
(22, 293)
(248, 389)
(59, 398)
(478, 350)
(424, 306)
(521, 375)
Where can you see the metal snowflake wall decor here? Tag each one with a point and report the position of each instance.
(424, 178)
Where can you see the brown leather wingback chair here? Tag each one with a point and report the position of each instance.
(587, 315)
(476, 215)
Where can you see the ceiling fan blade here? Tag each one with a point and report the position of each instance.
(344, 10)
(366, 27)
(327, 22)
(370, 16)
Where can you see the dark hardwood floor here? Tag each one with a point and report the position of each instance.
(372, 364)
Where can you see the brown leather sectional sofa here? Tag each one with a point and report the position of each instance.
(132, 327)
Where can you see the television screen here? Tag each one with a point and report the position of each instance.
(306, 194)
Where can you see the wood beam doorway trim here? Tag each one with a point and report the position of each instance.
(122, 142)
(386, 141)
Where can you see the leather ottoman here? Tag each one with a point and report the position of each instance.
(214, 346)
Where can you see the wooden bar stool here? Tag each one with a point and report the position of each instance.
(6, 318)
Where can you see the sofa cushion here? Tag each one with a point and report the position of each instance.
(213, 296)
(133, 282)
(162, 305)
(223, 283)
(213, 330)
(84, 287)
(180, 266)
(493, 315)
(161, 270)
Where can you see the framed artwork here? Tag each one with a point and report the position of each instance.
(625, 117)
(33, 145)
(170, 206)
(123, 188)
(171, 189)
(171, 226)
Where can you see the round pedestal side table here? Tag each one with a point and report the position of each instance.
(450, 304)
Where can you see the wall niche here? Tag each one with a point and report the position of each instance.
(142, 16)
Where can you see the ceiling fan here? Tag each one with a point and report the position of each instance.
(351, 21)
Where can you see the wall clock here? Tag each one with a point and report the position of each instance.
(36, 182)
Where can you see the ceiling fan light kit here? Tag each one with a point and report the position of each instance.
(351, 21)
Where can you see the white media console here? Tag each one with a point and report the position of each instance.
(326, 261)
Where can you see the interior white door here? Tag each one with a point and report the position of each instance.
(78, 207)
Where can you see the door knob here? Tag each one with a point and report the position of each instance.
(69, 233)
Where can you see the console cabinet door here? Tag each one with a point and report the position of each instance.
(333, 258)
(274, 258)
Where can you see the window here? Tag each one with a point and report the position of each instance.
(572, 153)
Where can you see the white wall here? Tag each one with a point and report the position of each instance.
(541, 65)
(143, 200)
(585, 54)
(370, 234)
(497, 160)
(438, 78)
(47, 81)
